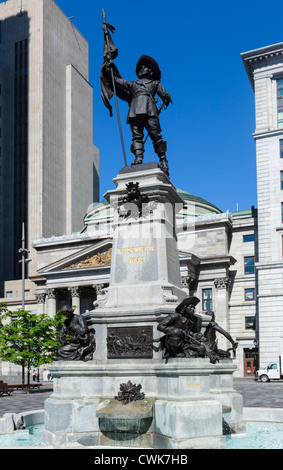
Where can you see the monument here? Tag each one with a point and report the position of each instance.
(155, 378)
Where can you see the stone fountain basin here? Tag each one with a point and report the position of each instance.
(115, 416)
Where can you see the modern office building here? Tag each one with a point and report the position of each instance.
(49, 167)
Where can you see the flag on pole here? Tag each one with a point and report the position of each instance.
(110, 53)
(110, 50)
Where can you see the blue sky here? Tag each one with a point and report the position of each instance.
(208, 129)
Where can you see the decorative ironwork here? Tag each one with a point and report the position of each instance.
(132, 342)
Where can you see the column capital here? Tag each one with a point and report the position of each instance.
(51, 293)
(40, 298)
(222, 282)
(186, 281)
(74, 290)
(99, 288)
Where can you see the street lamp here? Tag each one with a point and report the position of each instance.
(24, 261)
(24, 252)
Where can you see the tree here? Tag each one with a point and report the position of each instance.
(28, 339)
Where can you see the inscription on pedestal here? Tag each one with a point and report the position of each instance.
(131, 342)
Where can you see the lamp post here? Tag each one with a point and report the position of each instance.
(23, 251)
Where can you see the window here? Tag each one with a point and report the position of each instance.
(27, 293)
(282, 212)
(281, 148)
(248, 238)
(249, 294)
(281, 179)
(206, 299)
(250, 323)
(9, 294)
(249, 264)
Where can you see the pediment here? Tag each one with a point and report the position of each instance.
(102, 258)
(97, 255)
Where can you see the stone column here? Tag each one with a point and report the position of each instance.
(40, 299)
(221, 308)
(75, 294)
(51, 302)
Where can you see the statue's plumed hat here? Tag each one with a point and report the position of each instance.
(188, 301)
(150, 62)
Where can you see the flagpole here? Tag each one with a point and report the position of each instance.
(115, 95)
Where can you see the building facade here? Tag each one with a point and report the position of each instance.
(49, 166)
(264, 68)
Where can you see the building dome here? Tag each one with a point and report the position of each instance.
(101, 214)
(195, 205)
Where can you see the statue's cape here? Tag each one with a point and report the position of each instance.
(107, 87)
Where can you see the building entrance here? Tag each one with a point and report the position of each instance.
(250, 362)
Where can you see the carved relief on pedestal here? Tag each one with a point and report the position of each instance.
(131, 342)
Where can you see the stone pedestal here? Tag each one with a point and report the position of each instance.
(145, 265)
(145, 281)
(188, 396)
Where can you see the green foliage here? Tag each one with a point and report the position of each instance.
(27, 338)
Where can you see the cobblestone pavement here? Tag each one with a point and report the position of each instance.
(259, 394)
(20, 400)
(255, 394)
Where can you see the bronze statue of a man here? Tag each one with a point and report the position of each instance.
(183, 337)
(178, 328)
(143, 112)
(81, 345)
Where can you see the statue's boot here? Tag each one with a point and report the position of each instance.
(160, 148)
(164, 165)
(137, 149)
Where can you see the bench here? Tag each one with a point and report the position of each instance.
(22, 386)
(5, 389)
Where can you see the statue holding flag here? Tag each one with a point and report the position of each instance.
(140, 95)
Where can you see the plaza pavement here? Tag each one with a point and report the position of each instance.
(255, 394)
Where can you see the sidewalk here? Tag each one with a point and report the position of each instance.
(255, 394)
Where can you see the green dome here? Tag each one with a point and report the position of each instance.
(195, 205)
(102, 213)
